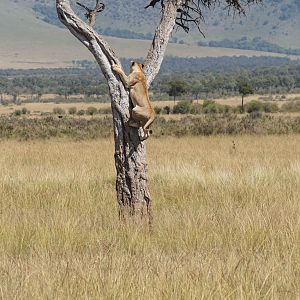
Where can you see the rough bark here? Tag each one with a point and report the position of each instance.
(161, 38)
(130, 153)
(242, 103)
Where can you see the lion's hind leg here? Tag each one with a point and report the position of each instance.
(140, 115)
(143, 116)
(147, 131)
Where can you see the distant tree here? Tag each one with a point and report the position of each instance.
(15, 94)
(288, 81)
(64, 91)
(15, 98)
(39, 95)
(244, 89)
(176, 88)
(196, 88)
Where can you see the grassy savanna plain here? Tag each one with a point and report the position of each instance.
(226, 221)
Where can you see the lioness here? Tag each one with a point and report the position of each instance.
(143, 113)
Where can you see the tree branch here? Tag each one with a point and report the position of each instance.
(102, 52)
(161, 38)
(182, 13)
(188, 12)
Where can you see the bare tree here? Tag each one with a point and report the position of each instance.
(132, 188)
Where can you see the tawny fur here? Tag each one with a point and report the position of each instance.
(143, 113)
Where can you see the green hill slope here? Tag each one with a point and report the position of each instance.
(27, 41)
(275, 21)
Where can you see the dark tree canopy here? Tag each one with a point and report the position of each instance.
(245, 88)
(191, 11)
(176, 88)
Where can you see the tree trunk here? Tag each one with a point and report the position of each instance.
(242, 103)
(130, 152)
(131, 166)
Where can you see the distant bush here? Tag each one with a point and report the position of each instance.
(72, 110)
(17, 112)
(91, 111)
(25, 111)
(255, 114)
(196, 109)
(58, 111)
(81, 112)
(210, 107)
(166, 110)
(258, 106)
(270, 107)
(157, 110)
(254, 106)
(183, 107)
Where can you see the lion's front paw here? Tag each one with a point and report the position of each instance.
(116, 67)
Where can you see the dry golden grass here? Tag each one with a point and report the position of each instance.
(226, 221)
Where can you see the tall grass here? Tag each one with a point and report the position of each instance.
(226, 221)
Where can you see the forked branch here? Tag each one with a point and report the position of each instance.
(105, 56)
(86, 34)
(102, 52)
(161, 37)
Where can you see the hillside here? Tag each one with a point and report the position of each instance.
(275, 21)
(33, 43)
